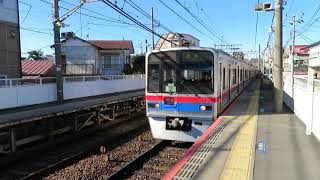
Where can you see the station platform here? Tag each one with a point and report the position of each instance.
(14, 116)
(250, 141)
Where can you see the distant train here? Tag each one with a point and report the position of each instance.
(188, 88)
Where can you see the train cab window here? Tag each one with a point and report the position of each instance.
(234, 76)
(169, 79)
(153, 78)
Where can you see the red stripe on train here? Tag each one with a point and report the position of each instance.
(183, 99)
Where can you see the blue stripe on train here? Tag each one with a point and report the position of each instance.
(189, 107)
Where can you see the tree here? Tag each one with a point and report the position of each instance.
(36, 55)
(138, 63)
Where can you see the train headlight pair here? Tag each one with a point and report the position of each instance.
(205, 108)
(154, 105)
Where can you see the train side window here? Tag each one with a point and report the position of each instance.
(234, 76)
(224, 79)
(240, 75)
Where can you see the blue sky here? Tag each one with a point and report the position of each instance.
(234, 21)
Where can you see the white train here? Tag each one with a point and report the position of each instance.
(188, 88)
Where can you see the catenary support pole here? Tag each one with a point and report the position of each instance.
(152, 28)
(57, 50)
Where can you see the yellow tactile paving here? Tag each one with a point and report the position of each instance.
(239, 165)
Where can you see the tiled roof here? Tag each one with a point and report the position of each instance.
(300, 49)
(37, 67)
(112, 44)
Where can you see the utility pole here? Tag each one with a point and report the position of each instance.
(259, 59)
(292, 50)
(277, 62)
(57, 49)
(146, 44)
(152, 28)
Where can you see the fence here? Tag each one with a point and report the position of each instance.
(305, 102)
(23, 92)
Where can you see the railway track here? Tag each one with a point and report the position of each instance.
(153, 163)
(37, 164)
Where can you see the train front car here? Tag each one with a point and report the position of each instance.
(180, 93)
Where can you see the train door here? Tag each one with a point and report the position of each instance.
(238, 80)
(229, 83)
(220, 89)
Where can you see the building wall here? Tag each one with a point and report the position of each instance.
(80, 56)
(9, 11)
(162, 44)
(9, 40)
(314, 56)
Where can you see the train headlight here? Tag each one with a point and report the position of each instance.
(202, 108)
(205, 108)
(153, 105)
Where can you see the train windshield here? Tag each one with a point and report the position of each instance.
(183, 72)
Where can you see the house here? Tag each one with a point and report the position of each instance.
(37, 68)
(94, 57)
(176, 40)
(301, 55)
(9, 40)
(314, 60)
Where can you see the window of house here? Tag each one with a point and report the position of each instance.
(2, 76)
(111, 61)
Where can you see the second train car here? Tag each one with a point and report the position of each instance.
(187, 89)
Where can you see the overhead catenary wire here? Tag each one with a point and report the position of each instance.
(122, 12)
(201, 22)
(185, 20)
(138, 8)
(90, 16)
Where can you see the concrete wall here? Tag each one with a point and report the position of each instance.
(30, 94)
(17, 96)
(305, 102)
(74, 90)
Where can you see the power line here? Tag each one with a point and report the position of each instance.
(185, 20)
(36, 31)
(270, 34)
(200, 22)
(138, 8)
(94, 12)
(30, 6)
(91, 16)
(116, 8)
(310, 21)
